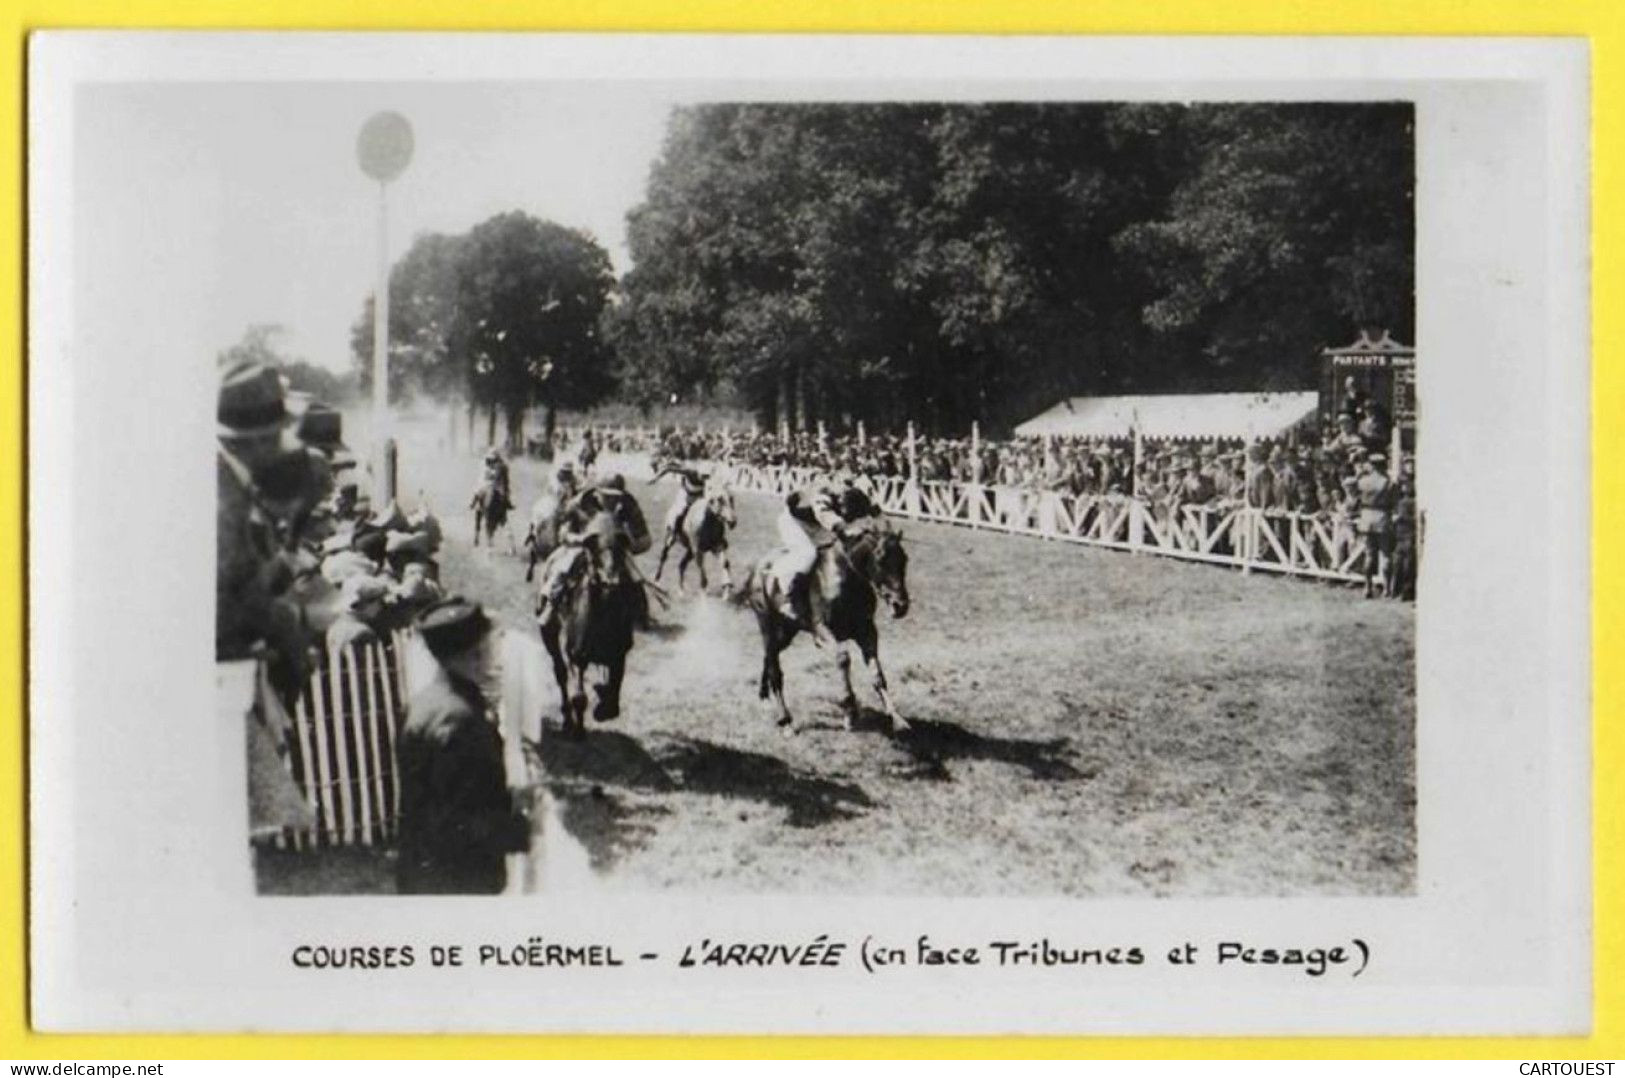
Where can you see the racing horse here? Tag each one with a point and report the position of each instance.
(542, 534)
(490, 505)
(701, 529)
(862, 567)
(592, 626)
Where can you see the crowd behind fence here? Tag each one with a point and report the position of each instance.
(1301, 506)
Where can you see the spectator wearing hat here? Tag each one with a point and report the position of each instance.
(363, 599)
(458, 818)
(268, 483)
(1377, 495)
(416, 592)
(1346, 437)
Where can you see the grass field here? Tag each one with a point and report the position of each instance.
(1087, 722)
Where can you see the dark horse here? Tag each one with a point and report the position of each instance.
(851, 576)
(701, 529)
(592, 626)
(490, 505)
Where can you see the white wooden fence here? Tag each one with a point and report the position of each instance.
(1295, 544)
(347, 720)
(342, 745)
(1316, 545)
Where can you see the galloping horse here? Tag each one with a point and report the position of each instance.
(701, 529)
(852, 575)
(491, 507)
(542, 534)
(593, 625)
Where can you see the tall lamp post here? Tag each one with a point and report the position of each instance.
(384, 149)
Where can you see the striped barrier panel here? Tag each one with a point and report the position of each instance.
(1293, 544)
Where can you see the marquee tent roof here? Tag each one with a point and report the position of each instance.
(1197, 415)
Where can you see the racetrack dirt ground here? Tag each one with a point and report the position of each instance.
(1086, 722)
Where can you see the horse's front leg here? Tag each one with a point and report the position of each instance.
(682, 566)
(699, 563)
(578, 695)
(774, 641)
(849, 701)
(869, 643)
(609, 698)
(561, 673)
(727, 571)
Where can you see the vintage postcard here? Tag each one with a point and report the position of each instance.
(809, 535)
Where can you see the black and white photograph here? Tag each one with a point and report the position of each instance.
(1047, 399)
(1027, 509)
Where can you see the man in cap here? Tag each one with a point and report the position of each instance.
(458, 818)
(363, 599)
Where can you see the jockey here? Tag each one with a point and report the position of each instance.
(693, 488)
(565, 483)
(568, 560)
(814, 517)
(494, 473)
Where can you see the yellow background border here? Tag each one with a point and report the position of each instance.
(1602, 21)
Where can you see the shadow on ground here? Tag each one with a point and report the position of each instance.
(663, 630)
(601, 756)
(706, 767)
(932, 742)
(607, 824)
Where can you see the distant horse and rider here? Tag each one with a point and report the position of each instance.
(492, 501)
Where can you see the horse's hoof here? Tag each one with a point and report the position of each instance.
(784, 722)
(899, 725)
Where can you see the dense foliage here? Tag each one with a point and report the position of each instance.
(504, 317)
(944, 263)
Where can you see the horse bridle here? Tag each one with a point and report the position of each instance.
(865, 577)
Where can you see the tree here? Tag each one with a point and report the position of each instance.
(505, 316)
(531, 296)
(423, 288)
(944, 263)
(1295, 226)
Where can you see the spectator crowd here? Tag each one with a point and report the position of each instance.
(1339, 476)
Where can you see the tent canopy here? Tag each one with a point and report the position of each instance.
(1195, 415)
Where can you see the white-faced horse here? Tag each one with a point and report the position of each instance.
(700, 529)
